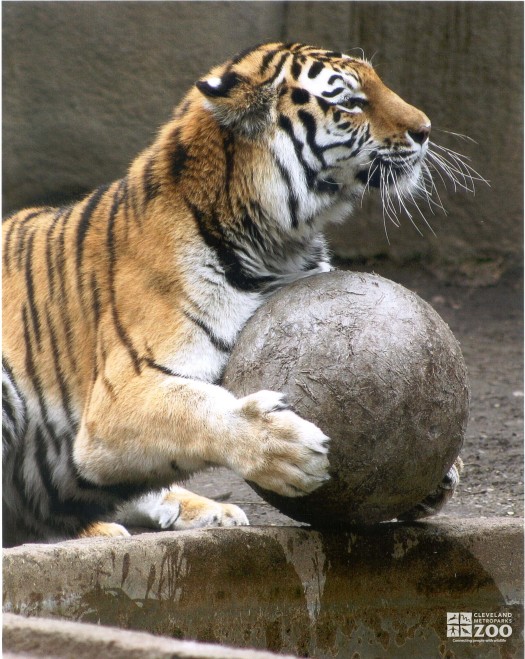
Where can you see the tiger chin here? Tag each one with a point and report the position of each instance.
(120, 311)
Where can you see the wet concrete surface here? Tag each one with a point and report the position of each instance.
(62, 639)
(381, 591)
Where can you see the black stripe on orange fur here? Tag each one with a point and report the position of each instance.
(30, 289)
(83, 227)
(214, 237)
(59, 371)
(112, 262)
(150, 182)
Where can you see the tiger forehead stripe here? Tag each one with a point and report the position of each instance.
(268, 57)
(248, 51)
(276, 77)
(352, 80)
(315, 69)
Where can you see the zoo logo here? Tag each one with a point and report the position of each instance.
(463, 626)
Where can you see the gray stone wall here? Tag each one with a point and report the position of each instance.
(86, 85)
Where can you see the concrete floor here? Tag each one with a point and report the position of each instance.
(380, 592)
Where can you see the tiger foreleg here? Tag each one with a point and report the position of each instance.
(155, 429)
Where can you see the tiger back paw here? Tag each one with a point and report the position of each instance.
(436, 500)
(105, 530)
(194, 511)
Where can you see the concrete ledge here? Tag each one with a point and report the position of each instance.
(382, 591)
(37, 637)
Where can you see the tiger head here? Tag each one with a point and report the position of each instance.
(333, 126)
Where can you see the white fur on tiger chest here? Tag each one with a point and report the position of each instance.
(220, 307)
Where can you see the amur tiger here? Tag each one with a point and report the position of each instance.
(119, 311)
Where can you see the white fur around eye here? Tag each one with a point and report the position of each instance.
(355, 110)
(331, 85)
(351, 80)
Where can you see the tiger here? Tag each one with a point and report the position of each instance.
(120, 310)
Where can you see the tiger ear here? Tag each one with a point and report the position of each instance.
(219, 87)
(238, 103)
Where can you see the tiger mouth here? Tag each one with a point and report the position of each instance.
(371, 176)
(376, 173)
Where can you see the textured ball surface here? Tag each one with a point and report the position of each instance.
(379, 371)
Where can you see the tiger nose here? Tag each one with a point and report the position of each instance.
(420, 135)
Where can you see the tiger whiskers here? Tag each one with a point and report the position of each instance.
(392, 193)
(448, 165)
(427, 188)
(371, 171)
(408, 194)
(455, 167)
(389, 210)
(460, 136)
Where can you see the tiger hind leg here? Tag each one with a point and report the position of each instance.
(179, 509)
(436, 500)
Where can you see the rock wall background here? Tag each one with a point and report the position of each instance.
(86, 84)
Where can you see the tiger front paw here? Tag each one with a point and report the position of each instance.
(286, 454)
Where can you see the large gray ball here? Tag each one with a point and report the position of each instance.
(378, 370)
